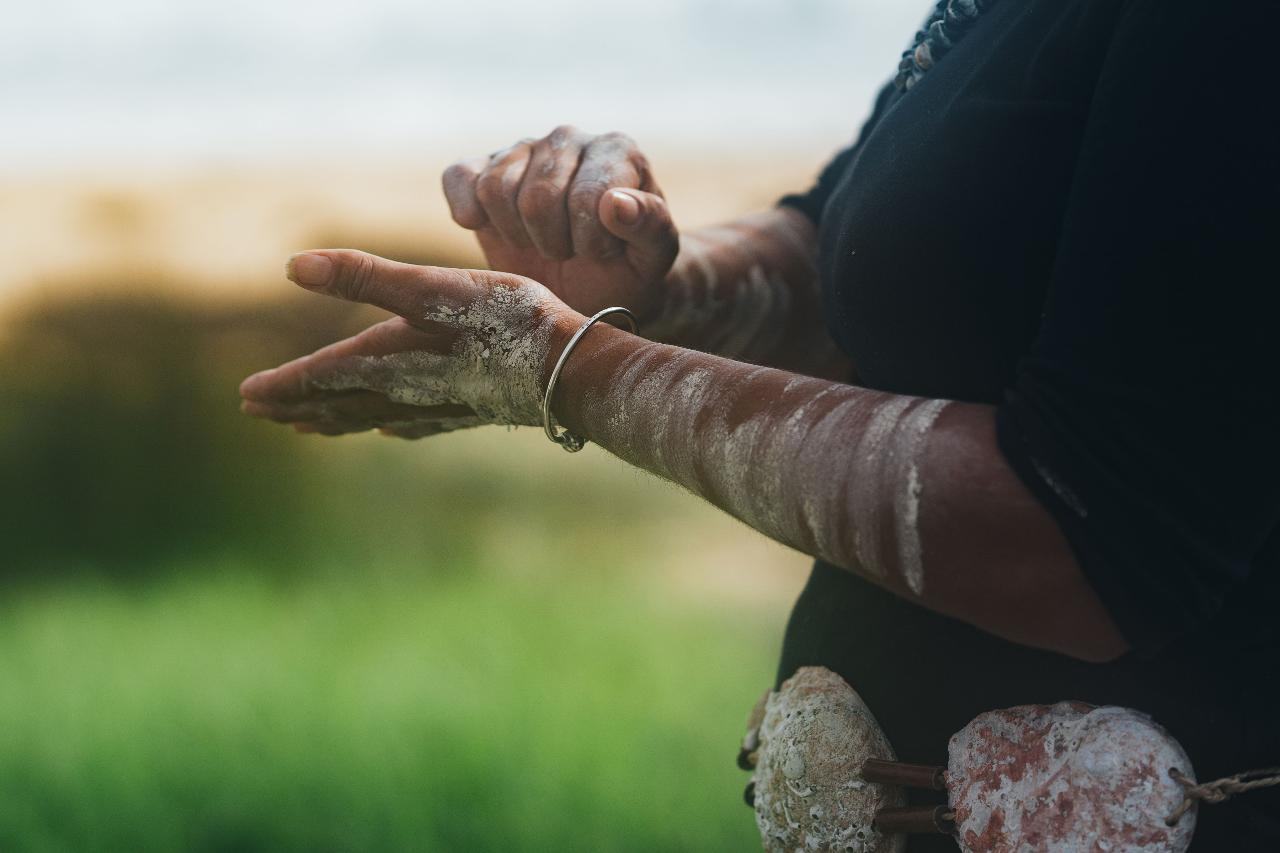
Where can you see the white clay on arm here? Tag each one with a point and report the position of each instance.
(908, 492)
(830, 469)
(748, 291)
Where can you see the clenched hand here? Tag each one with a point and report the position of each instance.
(580, 213)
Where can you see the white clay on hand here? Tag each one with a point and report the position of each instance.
(493, 367)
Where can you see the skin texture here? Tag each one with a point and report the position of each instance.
(584, 215)
(910, 493)
(468, 348)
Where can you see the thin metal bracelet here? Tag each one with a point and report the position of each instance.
(567, 440)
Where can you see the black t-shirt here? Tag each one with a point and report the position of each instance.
(1072, 216)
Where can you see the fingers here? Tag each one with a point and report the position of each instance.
(406, 289)
(642, 222)
(542, 197)
(422, 428)
(546, 194)
(497, 189)
(459, 182)
(609, 161)
(339, 413)
(303, 378)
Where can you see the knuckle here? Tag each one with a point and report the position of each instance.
(458, 177)
(489, 188)
(457, 171)
(552, 168)
(509, 180)
(564, 138)
(357, 275)
(503, 153)
(589, 187)
(584, 198)
(618, 139)
(538, 201)
(562, 133)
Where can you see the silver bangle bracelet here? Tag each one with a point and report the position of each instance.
(567, 440)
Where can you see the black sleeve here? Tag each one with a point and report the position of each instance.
(1147, 416)
(812, 202)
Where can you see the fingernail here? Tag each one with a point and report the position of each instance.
(309, 270)
(626, 207)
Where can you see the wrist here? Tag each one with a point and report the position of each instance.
(589, 366)
(564, 323)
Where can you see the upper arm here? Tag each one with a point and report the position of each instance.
(1147, 414)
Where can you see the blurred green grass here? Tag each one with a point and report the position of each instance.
(218, 635)
(218, 710)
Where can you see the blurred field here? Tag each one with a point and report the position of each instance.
(224, 233)
(217, 710)
(218, 635)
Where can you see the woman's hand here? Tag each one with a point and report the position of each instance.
(580, 213)
(468, 347)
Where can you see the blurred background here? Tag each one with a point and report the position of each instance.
(218, 635)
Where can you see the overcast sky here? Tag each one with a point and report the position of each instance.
(85, 81)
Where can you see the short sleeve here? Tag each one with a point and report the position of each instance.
(812, 202)
(1146, 417)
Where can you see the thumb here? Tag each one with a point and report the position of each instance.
(642, 221)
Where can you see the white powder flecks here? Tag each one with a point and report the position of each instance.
(698, 257)
(673, 384)
(633, 399)
(809, 793)
(692, 303)
(875, 463)
(494, 366)
(832, 469)
(758, 321)
(912, 435)
(747, 291)
(824, 470)
(423, 427)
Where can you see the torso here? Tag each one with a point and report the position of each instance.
(936, 249)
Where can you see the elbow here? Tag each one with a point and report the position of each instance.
(1085, 632)
(1097, 653)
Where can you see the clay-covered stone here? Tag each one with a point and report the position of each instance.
(809, 793)
(1069, 778)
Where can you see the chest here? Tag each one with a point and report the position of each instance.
(938, 243)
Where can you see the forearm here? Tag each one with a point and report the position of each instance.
(748, 290)
(908, 492)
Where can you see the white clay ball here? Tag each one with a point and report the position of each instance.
(809, 794)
